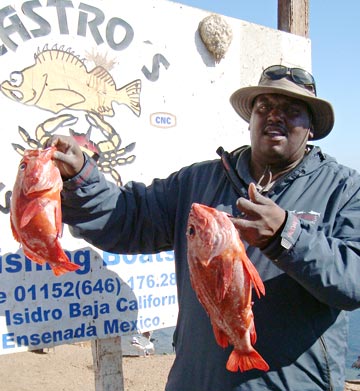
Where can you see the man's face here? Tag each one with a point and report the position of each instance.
(279, 129)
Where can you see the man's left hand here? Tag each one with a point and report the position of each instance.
(262, 219)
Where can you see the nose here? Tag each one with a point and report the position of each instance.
(276, 113)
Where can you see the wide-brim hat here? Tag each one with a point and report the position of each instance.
(323, 117)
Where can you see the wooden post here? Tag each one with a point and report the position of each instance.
(293, 16)
(108, 369)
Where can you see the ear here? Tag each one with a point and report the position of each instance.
(311, 133)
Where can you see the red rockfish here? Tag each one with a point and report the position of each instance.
(35, 212)
(222, 276)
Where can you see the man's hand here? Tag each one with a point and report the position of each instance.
(262, 218)
(69, 158)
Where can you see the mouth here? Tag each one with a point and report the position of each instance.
(275, 132)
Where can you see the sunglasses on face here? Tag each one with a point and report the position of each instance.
(297, 75)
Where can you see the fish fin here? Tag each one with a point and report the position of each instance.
(62, 264)
(33, 256)
(253, 336)
(102, 74)
(246, 361)
(254, 275)
(68, 99)
(131, 94)
(220, 337)
(58, 221)
(224, 277)
(32, 209)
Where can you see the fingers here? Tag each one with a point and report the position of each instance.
(241, 223)
(69, 157)
(62, 143)
(256, 197)
(260, 218)
(252, 192)
(52, 141)
(249, 207)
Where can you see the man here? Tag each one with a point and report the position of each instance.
(301, 226)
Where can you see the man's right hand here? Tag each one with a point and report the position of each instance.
(69, 158)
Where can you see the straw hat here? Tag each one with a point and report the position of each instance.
(322, 112)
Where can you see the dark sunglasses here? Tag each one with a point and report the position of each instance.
(298, 76)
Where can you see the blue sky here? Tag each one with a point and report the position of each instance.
(335, 39)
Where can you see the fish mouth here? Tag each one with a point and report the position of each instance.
(12, 93)
(12, 87)
(36, 187)
(17, 95)
(8, 90)
(35, 191)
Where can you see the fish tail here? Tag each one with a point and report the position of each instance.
(130, 95)
(246, 361)
(62, 264)
(58, 270)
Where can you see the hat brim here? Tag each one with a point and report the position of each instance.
(323, 115)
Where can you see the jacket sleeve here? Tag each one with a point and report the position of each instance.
(117, 219)
(325, 261)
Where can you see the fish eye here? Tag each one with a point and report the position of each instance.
(191, 231)
(16, 79)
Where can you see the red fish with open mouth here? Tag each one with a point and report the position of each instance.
(222, 277)
(35, 212)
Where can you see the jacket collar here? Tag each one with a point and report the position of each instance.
(236, 166)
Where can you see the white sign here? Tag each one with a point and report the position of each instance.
(109, 295)
(135, 84)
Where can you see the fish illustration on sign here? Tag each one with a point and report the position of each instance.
(58, 81)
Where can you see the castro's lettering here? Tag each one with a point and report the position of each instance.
(13, 25)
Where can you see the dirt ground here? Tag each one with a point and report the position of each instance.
(70, 367)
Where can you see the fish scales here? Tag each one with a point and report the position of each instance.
(222, 277)
(35, 210)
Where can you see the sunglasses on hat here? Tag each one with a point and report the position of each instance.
(298, 76)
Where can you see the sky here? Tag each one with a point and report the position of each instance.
(334, 31)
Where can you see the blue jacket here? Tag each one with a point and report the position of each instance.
(311, 271)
